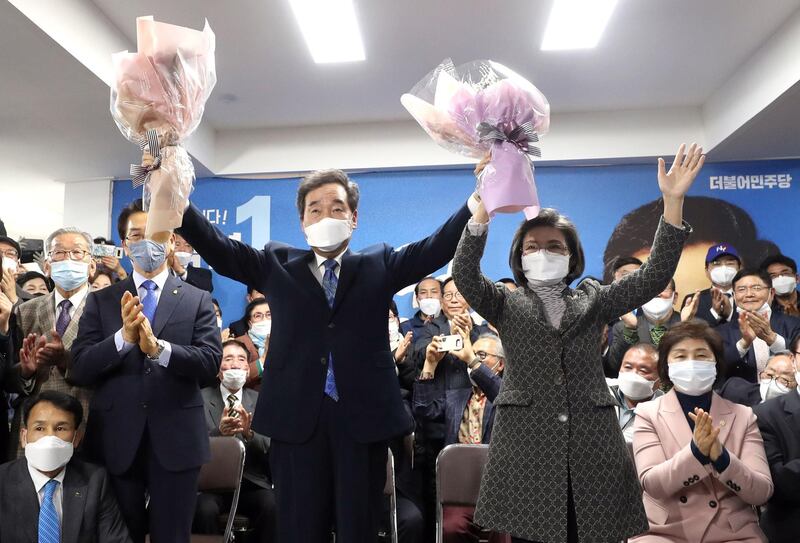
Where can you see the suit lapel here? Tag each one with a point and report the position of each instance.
(722, 416)
(46, 313)
(350, 264)
(74, 501)
(215, 407)
(675, 420)
(170, 299)
(571, 311)
(26, 502)
(299, 269)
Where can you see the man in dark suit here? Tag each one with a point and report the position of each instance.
(779, 422)
(180, 262)
(716, 303)
(229, 410)
(48, 496)
(778, 378)
(147, 344)
(6, 362)
(757, 331)
(330, 398)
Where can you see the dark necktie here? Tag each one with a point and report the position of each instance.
(63, 317)
(329, 283)
(49, 525)
(149, 302)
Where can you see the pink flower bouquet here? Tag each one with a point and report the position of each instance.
(157, 101)
(481, 107)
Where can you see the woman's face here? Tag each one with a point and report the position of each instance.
(35, 286)
(689, 276)
(259, 313)
(691, 349)
(544, 237)
(100, 282)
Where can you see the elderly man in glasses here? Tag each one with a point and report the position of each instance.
(756, 332)
(46, 326)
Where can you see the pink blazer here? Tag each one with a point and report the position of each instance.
(687, 501)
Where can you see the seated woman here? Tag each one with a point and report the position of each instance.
(259, 325)
(700, 457)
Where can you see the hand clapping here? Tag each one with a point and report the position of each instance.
(706, 437)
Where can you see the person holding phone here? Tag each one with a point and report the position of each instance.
(558, 464)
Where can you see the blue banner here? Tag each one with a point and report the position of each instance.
(752, 205)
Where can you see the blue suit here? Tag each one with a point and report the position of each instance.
(313, 437)
(146, 422)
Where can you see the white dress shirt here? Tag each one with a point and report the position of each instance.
(761, 350)
(225, 393)
(318, 266)
(123, 347)
(40, 480)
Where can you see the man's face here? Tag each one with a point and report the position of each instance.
(724, 260)
(641, 363)
(35, 286)
(328, 201)
(486, 350)
(780, 367)
(45, 419)
(72, 247)
(429, 288)
(233, 358)
(9, 251)
(668, 294)
(452, 302)
(624, 271)
(781, 270)
(751, 293)
(181, 245)
(135, 233)
(260, 313)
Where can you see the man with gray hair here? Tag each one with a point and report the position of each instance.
(777, 379)
(46, 326)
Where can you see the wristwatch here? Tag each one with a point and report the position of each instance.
(161, 347)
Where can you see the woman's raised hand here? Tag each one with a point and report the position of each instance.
(675, 183)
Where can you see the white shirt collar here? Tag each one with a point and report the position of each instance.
(159, 279)
(40, 479)
(76, 298)
(321, 259)
(225, 393)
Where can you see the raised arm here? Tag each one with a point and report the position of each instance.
(648, 281)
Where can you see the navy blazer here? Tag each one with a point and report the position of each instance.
(200, 278)
(305, 330)
(779, 422)
(745, 367)
(432, 401)
(741, 391)
(131, 393)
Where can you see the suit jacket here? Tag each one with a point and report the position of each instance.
(779, 422)
(689, 501)
(257, 449)
(133, 393)
(741, 391)
(704, 308)
(306, 330)
(90, 512)
(554, 419)
(6, 357)
(37, 316)
(745, 367)
(618, 346)
(432, 402)
(200, 278)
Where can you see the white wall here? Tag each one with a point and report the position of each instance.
(31, 206)
(87, 205)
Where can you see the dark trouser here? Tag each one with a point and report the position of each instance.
(458, 527)
(410, 523)
(255, 502)
(172, 497)
(330, 480)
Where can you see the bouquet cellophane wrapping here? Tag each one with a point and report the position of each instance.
(163, 87)
(484, 107)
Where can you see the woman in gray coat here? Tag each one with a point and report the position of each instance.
(558, 467)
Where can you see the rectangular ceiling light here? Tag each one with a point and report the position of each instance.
(576, 24)
(330, 29)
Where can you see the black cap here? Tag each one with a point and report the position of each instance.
(28, 275)
(11, 241)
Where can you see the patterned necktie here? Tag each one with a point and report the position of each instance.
(49, 525)
(329, 283)
(149, 301)
(231, 403)
(657, 333)
(63, 318)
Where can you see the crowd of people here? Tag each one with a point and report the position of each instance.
(613, 411)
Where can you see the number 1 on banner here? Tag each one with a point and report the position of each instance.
(257, 209)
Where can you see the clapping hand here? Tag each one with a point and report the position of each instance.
(720, 303)
(706, 437)
(132, 317)
(761, 327)
(466, 354)
(52, 353)
(689, 311)
(402, 348)
(8, 285)
(29, 355)
(745, 328)
(230, 425)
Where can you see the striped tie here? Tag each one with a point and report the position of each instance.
(329, 283)
(49, 526)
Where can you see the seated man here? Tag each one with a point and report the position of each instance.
(779, 422)
(757, 331)
(783, 272)
(637, 382)
(653, 321)
(715, 305)
(48, 496)
(468, 412)
(180, 262)
(229, 411)
(777, 379)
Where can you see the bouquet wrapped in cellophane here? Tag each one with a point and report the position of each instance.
(157, 100)
(483, 106)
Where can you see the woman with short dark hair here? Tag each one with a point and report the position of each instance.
(700, 458)
(558, 465)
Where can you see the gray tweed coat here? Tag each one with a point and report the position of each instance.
(555, 418)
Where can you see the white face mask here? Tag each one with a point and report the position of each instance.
(543, 268)
(9, 264)
(328, 234)
(723, 275)
(261, 328)
(219, 323)
(771, 388)
(234, 379)
(657, 308)
(430, 306)
(183, 258)
(394, 328)
(48, 453)
(634, 386)
(784, 284)
(765, 310)
(692, 377)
